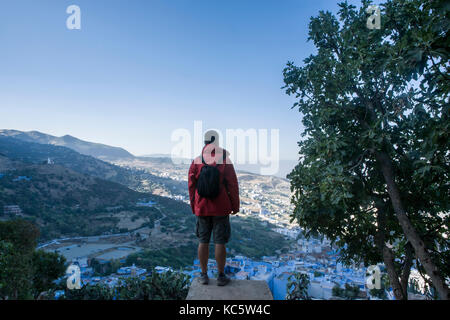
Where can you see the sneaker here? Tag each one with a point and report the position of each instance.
(222, 280)
(204, 278)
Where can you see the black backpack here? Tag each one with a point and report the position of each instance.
(208, 183)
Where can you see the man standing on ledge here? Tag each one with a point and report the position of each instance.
(214, 195)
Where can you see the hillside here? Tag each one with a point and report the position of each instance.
(55, 184)
(66, 203)
(36, 153)
(97, 150)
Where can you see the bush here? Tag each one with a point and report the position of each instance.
(164, 286)
(297, 287)
(158, 286)
(349, 292)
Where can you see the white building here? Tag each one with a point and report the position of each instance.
(320, 289)
(14, 209)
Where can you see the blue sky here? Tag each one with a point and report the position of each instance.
(137, 70)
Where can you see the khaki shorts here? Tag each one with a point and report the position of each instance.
(219, 226)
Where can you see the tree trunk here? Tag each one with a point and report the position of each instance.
(409, 256)
(388, 256)
(408, 229)
(388, 259)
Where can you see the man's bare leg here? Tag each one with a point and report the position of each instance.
(203, 255)
(221, 257)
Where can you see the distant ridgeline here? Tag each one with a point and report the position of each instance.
(97, 150)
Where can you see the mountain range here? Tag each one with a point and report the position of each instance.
(114, 154)
(97, 150)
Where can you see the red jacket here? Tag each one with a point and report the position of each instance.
(228, 199)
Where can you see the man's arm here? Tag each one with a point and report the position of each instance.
(192, 183)
(232, 186)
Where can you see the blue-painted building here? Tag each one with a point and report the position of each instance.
(22, 178)
(280, 286)
(145, 203)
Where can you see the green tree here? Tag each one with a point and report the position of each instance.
(25, 272)
(6, 263)
(374, 167)
(48, 266)
(297, 287)
(105, 269)
(89, 292)
(318, 274)
(349, 292)
(337, 291)
(17, 244)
